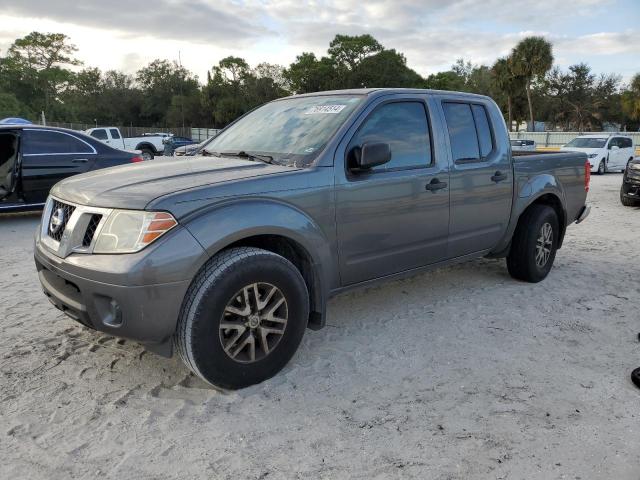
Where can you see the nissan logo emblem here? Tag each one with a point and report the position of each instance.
(57, 220)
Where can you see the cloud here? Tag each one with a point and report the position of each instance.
(229, 24)
(604, 43)
(431, 33)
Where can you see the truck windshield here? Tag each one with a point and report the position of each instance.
(291, 131)
(583, 142)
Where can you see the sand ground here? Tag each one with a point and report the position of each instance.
(456, 374)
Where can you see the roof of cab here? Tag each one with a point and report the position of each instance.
(19, 126)
(375, 92)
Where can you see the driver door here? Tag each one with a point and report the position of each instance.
(389, 218)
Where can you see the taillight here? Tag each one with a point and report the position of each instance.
(587, 175)
(137, 159)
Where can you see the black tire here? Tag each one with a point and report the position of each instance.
(521, 261)
(198, 337)
(602, 167)
(147, 153)
(626, 201)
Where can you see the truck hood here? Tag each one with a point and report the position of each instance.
(135, 185)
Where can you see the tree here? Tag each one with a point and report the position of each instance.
(386, 68)
(308, 74)
(35, 69)
(580, 100)
(348, 51)
(532, 59)
(506, 82)
(448, 80)
(630, 100)
(160, 81)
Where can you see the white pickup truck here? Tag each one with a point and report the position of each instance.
(149, 145)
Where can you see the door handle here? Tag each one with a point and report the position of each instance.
(79, 160)
(499, 176)
(435, 185)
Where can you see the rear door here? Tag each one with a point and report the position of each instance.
(613, 153)
(115, 139)
(9, 141)
(48, 156)
(393, 217)
(481, 178)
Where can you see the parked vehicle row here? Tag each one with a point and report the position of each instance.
(34, 158)
(605, 153)
(230, 255)
(149, 145)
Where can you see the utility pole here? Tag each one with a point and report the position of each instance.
(181, 95)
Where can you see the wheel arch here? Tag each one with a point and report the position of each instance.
(276, 227)
(542, 189)
(145, 145)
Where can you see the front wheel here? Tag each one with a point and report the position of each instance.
(626, 201)
(534, 244)
(242, 318)
(602, 167)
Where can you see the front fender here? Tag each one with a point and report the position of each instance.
(226, 223)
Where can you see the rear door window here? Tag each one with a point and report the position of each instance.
(100, 134)
(48, 142)
(462, 132)
(114, 133)
(485, 140)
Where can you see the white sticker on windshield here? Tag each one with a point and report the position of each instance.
(324, 109)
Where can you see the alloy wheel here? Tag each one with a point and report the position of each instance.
(544, 243)
(253, 322)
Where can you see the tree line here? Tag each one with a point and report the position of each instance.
(40, 72)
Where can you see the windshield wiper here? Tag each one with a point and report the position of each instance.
(250, 156)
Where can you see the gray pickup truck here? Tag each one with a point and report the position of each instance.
(230, 255)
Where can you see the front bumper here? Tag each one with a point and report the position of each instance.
(109, 292)
(631, 185)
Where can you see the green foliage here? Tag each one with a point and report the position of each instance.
(630, 102)
(40, 72)
(531, 59)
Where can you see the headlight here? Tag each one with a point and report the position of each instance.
(634, 166)
(128, 231)
(592, 155)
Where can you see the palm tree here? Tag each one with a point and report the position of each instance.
(507, 82)
(532, 59)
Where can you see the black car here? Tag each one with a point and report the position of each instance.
(34, 158)
(630, 190)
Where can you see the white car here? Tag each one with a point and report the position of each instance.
(606, 153)
(149, 145)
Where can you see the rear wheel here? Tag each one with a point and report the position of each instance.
(147, 154)
(242, 318)
(534, 244)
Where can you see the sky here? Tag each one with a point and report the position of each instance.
(128, 34)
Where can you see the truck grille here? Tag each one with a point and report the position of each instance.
(67, 228)
(60, 215)
(91, 229)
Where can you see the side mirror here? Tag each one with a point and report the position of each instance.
(615, 147)
(369, 155)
